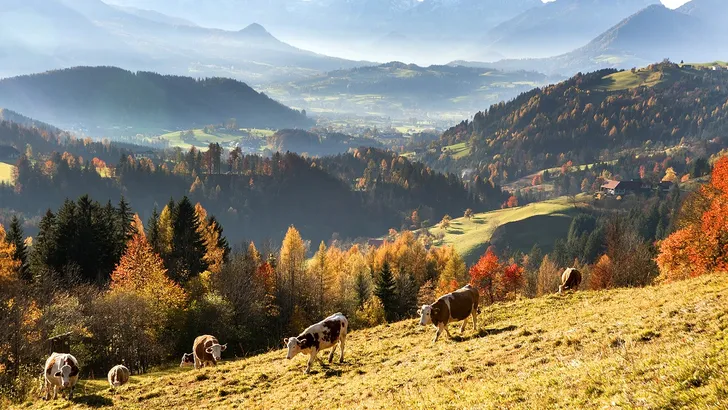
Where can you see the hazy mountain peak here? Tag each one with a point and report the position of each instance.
(255, 29)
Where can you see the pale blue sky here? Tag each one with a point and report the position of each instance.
(673, 4)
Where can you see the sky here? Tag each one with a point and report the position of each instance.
(673, 4)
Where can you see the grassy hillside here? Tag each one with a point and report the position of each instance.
(471, 237)
(656, 347)
(6, 172)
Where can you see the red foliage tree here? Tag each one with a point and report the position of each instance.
(484, 275)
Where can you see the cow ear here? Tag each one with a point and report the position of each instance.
(74, 370)
(285, 342)
(58, 374)
(419, 312)
(223, 347)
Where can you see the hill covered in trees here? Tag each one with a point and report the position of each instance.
(108, 100)
(589, 118)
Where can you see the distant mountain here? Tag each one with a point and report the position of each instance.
(107, 100)
(651, 34)
(404, 90)
(60, 33)
(12, 116)
(434, 28)
(157, 16)
(558, 27)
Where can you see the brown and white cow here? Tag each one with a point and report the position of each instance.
(452, 307)
(570, 280)
(61, 372)
(207, 349)
(118, 375)
(324, 334)
(188, 359)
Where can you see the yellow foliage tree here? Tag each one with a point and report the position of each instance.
(214, 254)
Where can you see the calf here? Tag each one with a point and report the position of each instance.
(452, 307)
(207, 350)
(320, 336)
(570, 279)
(118, 375)
(61, 372)
(188, 359)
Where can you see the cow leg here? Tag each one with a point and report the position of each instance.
(311, 359)
(55, 392)
(198, 364)
(342, 342)
(447, 331)
(439, 330)
(475, 319)
(47, 387)
(462, 327)
(70, 392)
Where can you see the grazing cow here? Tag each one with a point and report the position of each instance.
(324, 334)
(570, 279)
(452, 307)
(188, 359)
(207, 350)
(118, 375)
(61, 372)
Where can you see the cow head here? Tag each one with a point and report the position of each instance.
(215, 350)
(425, 313)
(294, 347)
(188, 359)
(65, 373)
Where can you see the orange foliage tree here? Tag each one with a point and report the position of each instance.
(142, 271)
(513, 279)
(702, 245)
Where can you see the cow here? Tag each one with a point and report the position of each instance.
(118, 375)
(570, 279)
(452, 307)
(188, 359)
(324, 334)
(61, 372)
(207, 349)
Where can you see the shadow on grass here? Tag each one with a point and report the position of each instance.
(94, 400)
(484, 333)
(455, 231)
(478, 221)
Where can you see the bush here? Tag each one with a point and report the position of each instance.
(371, 314)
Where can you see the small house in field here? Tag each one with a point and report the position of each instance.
(59, 343)
(621, 188)
(665, 186)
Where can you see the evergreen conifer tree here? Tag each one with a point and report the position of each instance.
(386, 290)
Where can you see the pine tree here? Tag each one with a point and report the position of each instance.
(153, 234)
(188, 246)
(125, 221)
(362, 288)
(43, 255)
(406, 294)
(386, 290)
(15, 237)
(319, 271)
(222, 242)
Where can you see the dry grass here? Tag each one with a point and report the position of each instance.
(660, 347)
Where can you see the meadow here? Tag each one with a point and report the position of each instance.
(471, 237)
(203, 140)
(663, 346)
(6, 172)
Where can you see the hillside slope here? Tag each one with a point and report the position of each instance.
(655, 347)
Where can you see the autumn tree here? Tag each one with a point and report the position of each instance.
(549, 277)
(292, 265)
(468, 214)
(513, 280)
(484, 275)
(16, 238)
(445, 223)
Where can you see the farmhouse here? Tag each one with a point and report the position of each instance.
(616, 188)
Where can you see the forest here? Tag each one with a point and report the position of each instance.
(359, 194)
